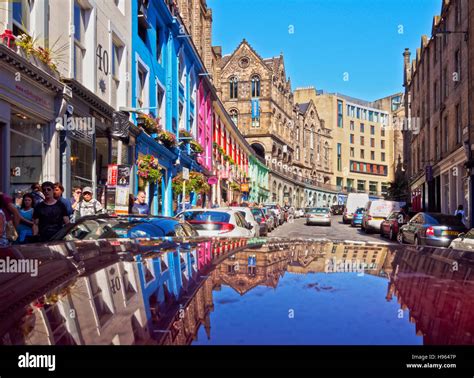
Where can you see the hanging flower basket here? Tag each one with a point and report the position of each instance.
(235, 187)
(149, 123)
(168, 139)
(185, 134)
(196, 147)
(148, 169)
(197, 183)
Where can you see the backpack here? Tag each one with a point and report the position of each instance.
(95, 206)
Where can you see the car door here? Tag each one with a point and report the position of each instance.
(410, 229)
(241, 224)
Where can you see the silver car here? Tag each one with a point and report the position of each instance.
(318, 216)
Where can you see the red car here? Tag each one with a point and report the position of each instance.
(391, 225)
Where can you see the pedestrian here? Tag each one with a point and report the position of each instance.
(50, 215)
(460, 212)
(131, 201)
(140, 206)
(3, 226)
(25, 228)
(58, 196)
(12, 216)
(38, 196)
(76, 197)
(88, 205)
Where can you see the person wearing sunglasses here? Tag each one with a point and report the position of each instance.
(76, 197)
(50, 215)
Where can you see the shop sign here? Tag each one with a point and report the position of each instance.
(244, 188)
(185, 173)
(123, 189)
(123, 175)
(112, 175)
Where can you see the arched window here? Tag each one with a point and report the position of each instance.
(233, 87)
(235, 116)
(297, 152)
(255, 86)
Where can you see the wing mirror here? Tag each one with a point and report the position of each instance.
(249, 226)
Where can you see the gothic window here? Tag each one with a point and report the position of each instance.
(255, 86)
(233, 87)
(235, 116)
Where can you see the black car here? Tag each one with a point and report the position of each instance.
(113, 227)
(337, 209)
(435, 229)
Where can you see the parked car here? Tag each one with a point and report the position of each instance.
(391, 226)
(272, 221)
(249, 218)
(261, 219)
(278, 211)
(299, 213)
(433, 229)
(464, 241)
(105, 226)
(376, 212)
(357, 217)
(319, 215)
(337, 209)
(353, 202)
(226, 222)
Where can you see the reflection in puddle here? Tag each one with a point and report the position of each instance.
(224, 291)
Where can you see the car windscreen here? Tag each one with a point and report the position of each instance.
(256, 212)
(359, 211)
(206, 216)
(94, 229)
(443, 219)
(319, 210)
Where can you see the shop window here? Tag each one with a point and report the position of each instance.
(27, 141)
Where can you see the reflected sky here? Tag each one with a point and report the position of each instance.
(316, 308)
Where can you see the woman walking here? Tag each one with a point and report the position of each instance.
(25, 228)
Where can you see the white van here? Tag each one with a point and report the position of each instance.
(376, 212)
(353, 202)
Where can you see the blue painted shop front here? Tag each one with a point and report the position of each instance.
(164, 74)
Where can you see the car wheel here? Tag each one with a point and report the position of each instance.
(400, 238)
(391, 235)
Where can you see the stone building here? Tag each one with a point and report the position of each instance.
(363, 144)
(437, 106)
(257, 94)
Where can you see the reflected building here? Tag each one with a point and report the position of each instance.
(436, 286)
(102, 308)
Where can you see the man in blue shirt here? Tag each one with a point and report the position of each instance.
(140, 206)
(58, 196)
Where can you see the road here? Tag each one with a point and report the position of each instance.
(337, 231)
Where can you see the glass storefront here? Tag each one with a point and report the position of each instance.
(81, 163)
(27, 141)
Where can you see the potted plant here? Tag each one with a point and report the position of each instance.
(196, 147)
(148, 170)
(197, 183)
(149, 123)
(168, 139)
(185, 134)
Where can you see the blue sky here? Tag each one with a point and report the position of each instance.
(330, 38)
